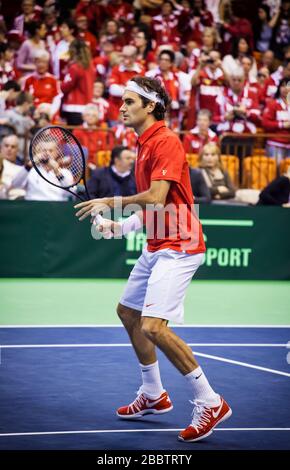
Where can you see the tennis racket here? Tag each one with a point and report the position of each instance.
(58, 157)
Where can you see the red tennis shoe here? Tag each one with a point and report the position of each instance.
(143, 405)
(204, 420)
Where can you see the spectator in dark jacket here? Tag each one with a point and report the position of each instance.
(117, 179)
(199, 188)
(277, 193)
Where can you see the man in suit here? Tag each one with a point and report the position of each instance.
(117, 179)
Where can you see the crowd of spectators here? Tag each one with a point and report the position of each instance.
(224, 63)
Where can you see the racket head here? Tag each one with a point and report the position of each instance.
(55, 146)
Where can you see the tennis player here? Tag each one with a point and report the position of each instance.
(156, 287)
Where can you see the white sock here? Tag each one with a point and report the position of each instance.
(201, 388)
(152, 385)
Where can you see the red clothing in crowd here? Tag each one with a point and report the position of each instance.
(95, 13)
(211, 86)
(125, 136)
(118, 79)
(7, 72)
(228, 101)
(276, 114)
(77, 88)
(271, 85)
(103, 108)
(240, 27)
(194, 142)
(165, 30)
(43, 88)
(94, 140)
(90, 41)
(120, 11)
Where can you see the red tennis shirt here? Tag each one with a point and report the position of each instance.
(161, 157)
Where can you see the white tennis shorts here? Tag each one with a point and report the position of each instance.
(157, 283)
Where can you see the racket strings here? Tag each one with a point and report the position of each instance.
(58, 157)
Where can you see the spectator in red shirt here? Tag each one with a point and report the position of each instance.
(42, 85)
(122, 12)
(276, 119)
(84, 34)
(94, 11)
(112, 34)
(120, 75)
(78, 83)
(272, 83)
(201, 134)
(165, 26)
(90, 137)
(210, 80)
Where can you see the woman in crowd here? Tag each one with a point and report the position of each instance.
(232, 63)
(217, 179)
(78, 83)
(26, 54)
(264, 28)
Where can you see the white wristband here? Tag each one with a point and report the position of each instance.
(132, 224)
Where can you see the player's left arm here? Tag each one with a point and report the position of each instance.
(155, 196)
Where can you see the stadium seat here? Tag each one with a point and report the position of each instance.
(258, 171)
(103, 158)
(284, 165)
(192, 159)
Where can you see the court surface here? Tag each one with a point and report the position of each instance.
(66, 365)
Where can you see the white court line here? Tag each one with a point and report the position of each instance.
(244, 364)
(121, 326)
(107, 431)
(209, 356)
(126, 345)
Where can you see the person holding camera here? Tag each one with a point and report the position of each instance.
(239, 113)
(238, 107)
(210, 79)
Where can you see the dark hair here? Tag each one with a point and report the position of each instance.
(33, 26)
(116, 153)
(168, 52)
(266, 9)
(283, 82)
(11, 85)
(143, 28)
(23, 97)
(3, 47)
(68, 21)
(235, 46)
(153, 84)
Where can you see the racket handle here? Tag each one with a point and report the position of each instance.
(99, 220)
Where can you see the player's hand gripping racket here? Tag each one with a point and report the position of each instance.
(58, 158)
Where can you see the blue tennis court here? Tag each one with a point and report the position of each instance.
(60, 387)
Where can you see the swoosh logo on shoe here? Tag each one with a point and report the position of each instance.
(153, 403)
(216, 413)
(148, 305)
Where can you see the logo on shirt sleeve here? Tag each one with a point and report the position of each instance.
(164, 172)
